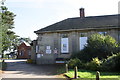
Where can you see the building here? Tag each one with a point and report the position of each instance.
(66, 37)
(33, 50)
(24, 51)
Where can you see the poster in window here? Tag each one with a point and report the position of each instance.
(47, 47)
(64, 45)
(55, 51)
(38, 55)
(48, 51)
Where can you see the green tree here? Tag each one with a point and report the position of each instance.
(6, 26)
(22, 39)
(97, 46)
(100, 46)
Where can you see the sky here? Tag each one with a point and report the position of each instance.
(32, 15)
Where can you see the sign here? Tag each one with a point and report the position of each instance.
(48, 51)
(64, 45)
(47, 47)
(38, 55)
(55, 51)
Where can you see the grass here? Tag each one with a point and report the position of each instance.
(92, 74)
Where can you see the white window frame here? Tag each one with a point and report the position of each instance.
(64, 45)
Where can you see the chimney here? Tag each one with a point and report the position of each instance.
(82, 14)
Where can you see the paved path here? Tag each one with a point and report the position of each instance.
(20, 69)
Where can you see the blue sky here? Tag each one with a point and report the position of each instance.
(36, 14)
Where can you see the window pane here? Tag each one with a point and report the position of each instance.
(83, 42)
(64, 45)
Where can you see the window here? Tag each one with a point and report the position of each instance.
(37, 48)
(21, 53)
(83, 34)
(64, 45)
(83, 40)
(29, 52)
(64, 35)
(103, 33)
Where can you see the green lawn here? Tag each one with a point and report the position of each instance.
(92, 74)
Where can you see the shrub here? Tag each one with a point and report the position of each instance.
(81, 55)
(29, 61)
(94, 64)
(112, 63)
(75, 62)
(100, 46)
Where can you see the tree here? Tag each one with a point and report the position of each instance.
(8, 39)
(22, 39)
(6, 26)
(19, 40)
(100, 46)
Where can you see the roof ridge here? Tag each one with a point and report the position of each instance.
(94, 16)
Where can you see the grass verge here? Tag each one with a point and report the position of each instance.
(92, 74)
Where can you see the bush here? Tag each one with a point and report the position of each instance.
(112, 63)
(75, 62)
(29, 61)
(100, 46)
(94, 64)
(81, 56)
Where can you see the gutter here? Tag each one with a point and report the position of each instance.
(74, 30)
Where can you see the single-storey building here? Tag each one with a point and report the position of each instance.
(66, 37)
(24, 51)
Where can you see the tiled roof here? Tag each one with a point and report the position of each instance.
(107, 21)
(27, 44)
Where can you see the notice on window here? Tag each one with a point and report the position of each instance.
(48, 51)
(55, 51)
(64, 45)
(38, 55)
(47, 47)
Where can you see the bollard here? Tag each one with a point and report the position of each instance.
(97, 75)
(66, 68)
(75, 73)
(3, 60)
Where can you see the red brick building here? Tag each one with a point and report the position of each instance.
(24, 51)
